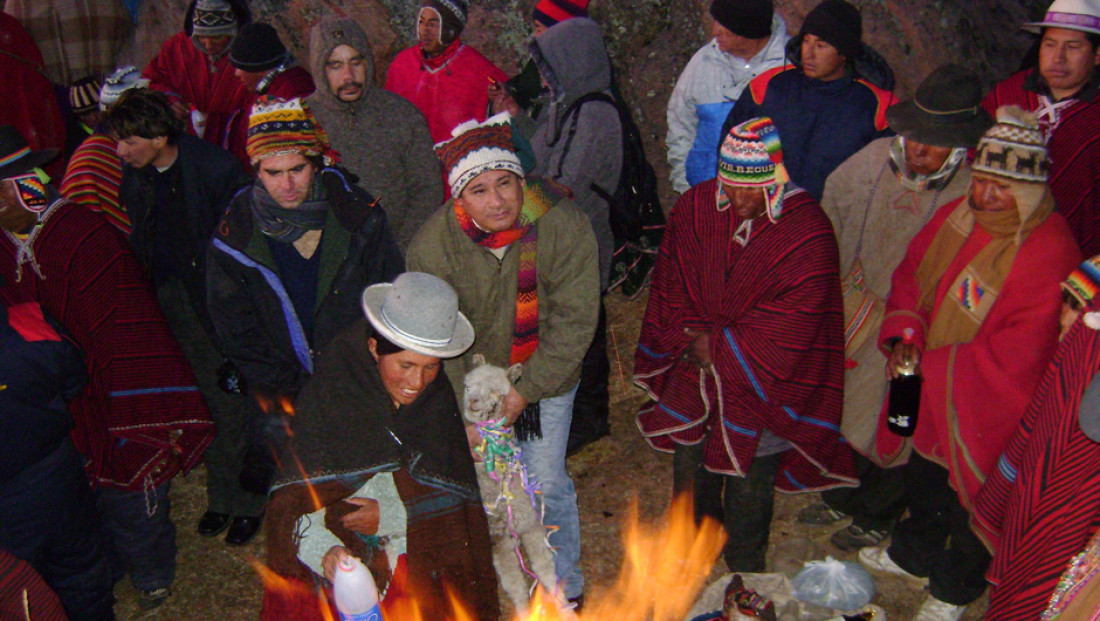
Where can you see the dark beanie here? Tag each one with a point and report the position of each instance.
(751, 19)
(257, 48)
(838, 24)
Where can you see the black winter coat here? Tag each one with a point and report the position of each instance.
(253, 316)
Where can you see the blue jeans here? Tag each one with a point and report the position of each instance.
(545, 460)
(47, 519)
(141, 534)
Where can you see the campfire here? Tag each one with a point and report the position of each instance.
(664, 567)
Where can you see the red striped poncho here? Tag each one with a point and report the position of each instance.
(183, 72)
(974, 393)
(93, 177)
(1074, 148)
(140, 418)
(774, 313)
(1042, 504)
(21, 585)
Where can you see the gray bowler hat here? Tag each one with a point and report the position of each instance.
(945, 112)
(419, 312)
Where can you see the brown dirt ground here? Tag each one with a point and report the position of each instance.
(215, 581)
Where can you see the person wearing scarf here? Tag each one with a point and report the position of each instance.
(877, 201)
(523, 259)
(741, 348)
(379, 466)
(978, 291)
(284, 268)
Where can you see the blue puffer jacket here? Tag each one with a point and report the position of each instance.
(820, 124)
(39, 369)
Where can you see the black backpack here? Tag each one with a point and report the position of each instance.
(637, 220)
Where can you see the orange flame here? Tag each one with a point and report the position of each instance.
(665, 566)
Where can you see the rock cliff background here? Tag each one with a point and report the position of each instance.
(650, 41)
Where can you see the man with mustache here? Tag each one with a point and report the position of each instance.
(381, 137)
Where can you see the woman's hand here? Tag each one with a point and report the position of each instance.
(500, 100)
(698, 350)
(331, 559)
(363, 520)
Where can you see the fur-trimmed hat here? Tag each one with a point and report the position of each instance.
(283, 127)
(476, 148)
(452, 17)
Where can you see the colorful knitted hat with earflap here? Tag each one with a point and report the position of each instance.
(752, 156)
(452, 17)
(1084, 281)
(550, 12)
(477, 148)
(84, 95)
(213, 18)
(278, 127)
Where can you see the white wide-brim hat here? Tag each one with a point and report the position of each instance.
(419, 312)
(1083, 15)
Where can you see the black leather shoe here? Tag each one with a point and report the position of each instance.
(243, 529)
(212, 523)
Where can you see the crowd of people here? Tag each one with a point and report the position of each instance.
(284, 273)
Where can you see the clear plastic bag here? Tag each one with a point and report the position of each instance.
(834, 584)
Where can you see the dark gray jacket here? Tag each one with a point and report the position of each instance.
(382, 138)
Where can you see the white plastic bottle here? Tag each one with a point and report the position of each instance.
(355, 592)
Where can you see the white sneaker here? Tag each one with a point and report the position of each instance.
(935, 610)
(877, 560)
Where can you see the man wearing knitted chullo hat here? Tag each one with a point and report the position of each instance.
(445, 79)
(975, 302)
(749, 39)
(523, 259)
(742, 346)
(193, 69)
(287, 263)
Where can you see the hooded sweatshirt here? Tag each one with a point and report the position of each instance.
(381, 137)
(585, 148)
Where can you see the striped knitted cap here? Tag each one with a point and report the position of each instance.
(213, 18)
(278, 127)
(752, 156)
(84, 95)
(1084, 281)
(1013, 148)
(477, 148)
(550, 12)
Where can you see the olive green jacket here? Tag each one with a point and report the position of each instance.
(568, 293)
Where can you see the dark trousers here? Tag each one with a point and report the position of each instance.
(743, 505)
(48, 518)
(232, 412)
(935, 541)
(590, 407)
(878, 502)
(141, 535)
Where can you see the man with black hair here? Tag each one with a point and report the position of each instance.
(1061, 91)
(174, 189)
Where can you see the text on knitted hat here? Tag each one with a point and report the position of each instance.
(751, 155)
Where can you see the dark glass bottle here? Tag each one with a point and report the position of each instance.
(904, 403)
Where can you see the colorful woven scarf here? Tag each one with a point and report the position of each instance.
(539, 195)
